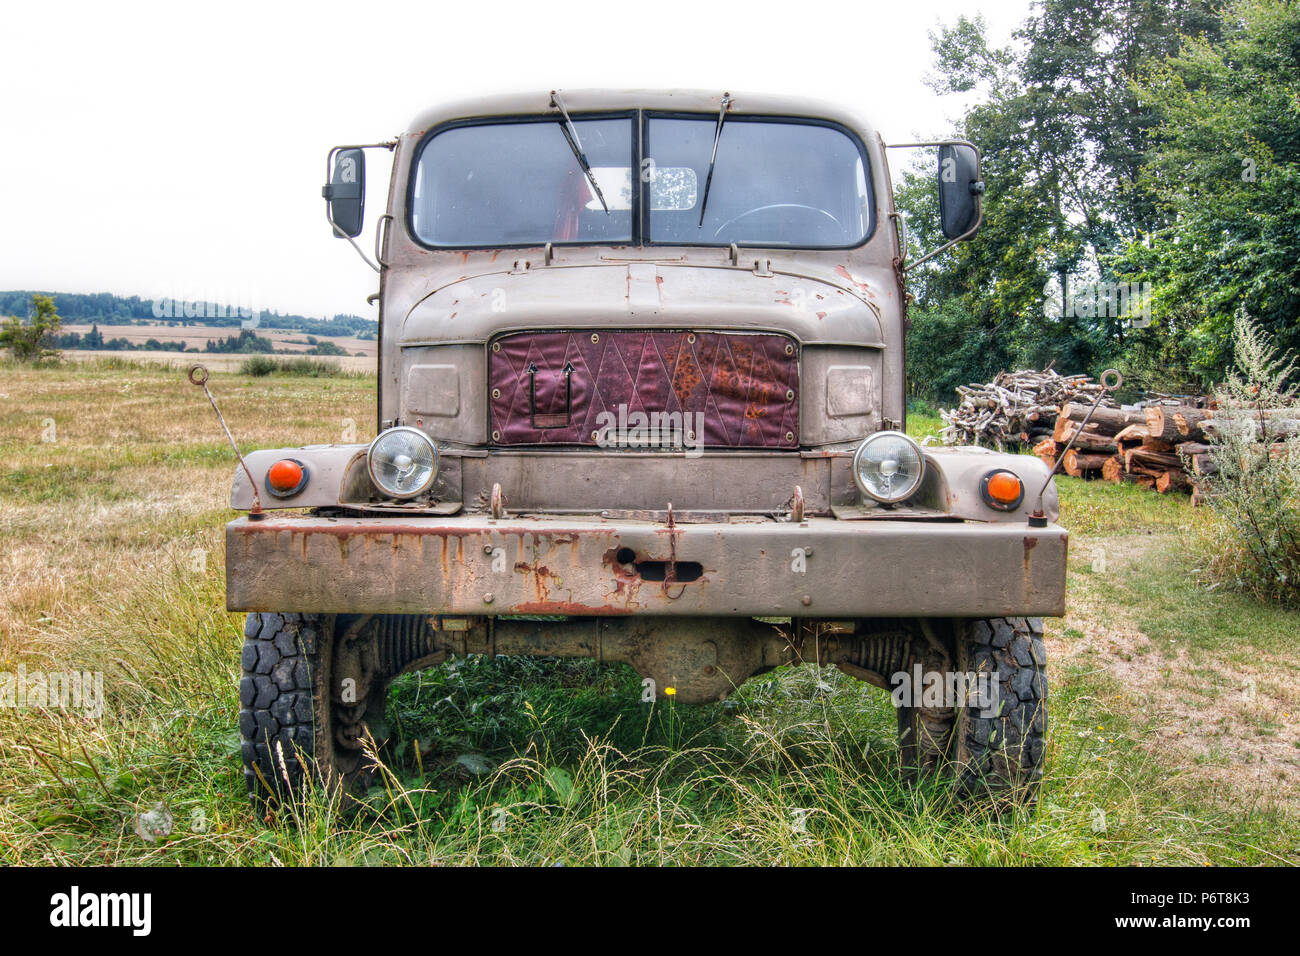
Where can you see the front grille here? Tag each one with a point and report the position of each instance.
(639, 388)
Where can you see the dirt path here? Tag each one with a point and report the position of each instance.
(1235, 728)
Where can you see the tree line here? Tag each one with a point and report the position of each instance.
(1142, 162)
(105, 308)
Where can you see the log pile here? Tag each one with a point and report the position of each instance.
(1155, 445)
(1163, 443)
(1016, 408)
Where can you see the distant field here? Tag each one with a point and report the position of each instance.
(196, 336)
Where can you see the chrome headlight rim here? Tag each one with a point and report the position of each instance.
(370, 463)
(866, 490)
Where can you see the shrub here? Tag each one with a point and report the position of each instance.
(265, 365)
(31, 341)
(1255, 488)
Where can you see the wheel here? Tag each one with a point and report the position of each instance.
(1001, 755)
(995, 743)
(291, 722)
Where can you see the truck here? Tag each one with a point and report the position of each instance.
(641, 399)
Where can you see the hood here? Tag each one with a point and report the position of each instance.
(651, 295)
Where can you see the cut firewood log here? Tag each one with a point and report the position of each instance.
(1172, 481)
(1146, 460)
(1091, 442)
(1132, 435)
(1047, 451)
(1190, 448)
(1277, 428)
(1112, 469)
(1204, 465)
(1066, 429)
(1077, 463)
(1188, 422)
(1110, 420)
(1160, 422)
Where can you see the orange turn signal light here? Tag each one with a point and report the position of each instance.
(286, 477)
(1002, 490)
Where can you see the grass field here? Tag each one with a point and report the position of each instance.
(1174, 731)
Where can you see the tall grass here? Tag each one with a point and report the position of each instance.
(1255, 488)
(112, 547)
(801, 769)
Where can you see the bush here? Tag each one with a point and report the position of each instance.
(1255, 488)
(946, 348)
(265, 365)
(31, 341)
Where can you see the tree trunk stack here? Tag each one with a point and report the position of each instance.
(1016, 408)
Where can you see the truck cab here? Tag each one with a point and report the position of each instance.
(641, 398)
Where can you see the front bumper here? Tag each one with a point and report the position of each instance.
(473, 565)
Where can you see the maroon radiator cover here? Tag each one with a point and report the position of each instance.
(551, 388)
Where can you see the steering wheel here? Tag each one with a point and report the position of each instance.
(779, 205)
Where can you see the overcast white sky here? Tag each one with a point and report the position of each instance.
(178, 150)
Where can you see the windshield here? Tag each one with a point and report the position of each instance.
(519, 183)
(776, 182)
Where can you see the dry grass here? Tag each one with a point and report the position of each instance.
(105, 471)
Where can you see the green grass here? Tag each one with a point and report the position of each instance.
(117, 553)
(923, 420)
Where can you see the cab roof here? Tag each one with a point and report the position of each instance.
(599, 101)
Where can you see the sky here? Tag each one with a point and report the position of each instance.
(177, 150)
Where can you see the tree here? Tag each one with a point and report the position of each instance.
(31, 341)
(1225, 170)
(1064, 135)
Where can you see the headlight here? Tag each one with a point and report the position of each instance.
(888, 466)
(402, 462)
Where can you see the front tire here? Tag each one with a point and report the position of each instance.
(294, 725)
(995, 752)
(1002, 755)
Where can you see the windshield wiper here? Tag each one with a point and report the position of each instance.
(571, 134)
(717, 135)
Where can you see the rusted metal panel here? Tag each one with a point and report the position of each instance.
(613, 387)
(585, 566)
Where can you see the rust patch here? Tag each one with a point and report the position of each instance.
(363, 527)
(1030, 544)
(567, 607)
(844, 274)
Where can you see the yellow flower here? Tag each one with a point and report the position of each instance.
(670, 691)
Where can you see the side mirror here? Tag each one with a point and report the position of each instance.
(345, 196)
(960, 188)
